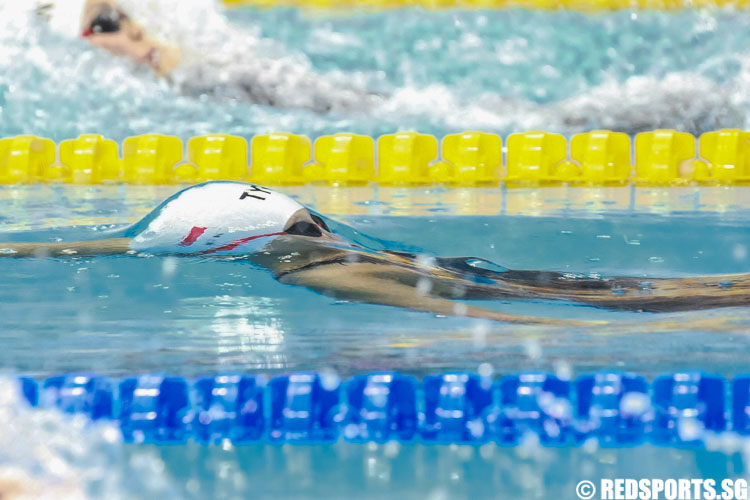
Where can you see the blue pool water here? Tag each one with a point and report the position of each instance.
(442, 72)
(67, 459)
(129, 315)
(500, 71)
(195, 316)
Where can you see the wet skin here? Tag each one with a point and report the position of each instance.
(320, 260)
(129, 40)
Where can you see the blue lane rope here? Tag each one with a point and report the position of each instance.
(618, 409)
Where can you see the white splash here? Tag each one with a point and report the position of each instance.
(47, 455)
(237, 64)
(685, 101)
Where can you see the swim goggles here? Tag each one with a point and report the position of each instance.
(107, 21)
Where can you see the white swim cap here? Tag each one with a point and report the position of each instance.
(64, 16)
(222, 218)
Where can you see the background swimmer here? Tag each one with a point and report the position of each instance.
(244, 221)
(203, 54)
(268, 81)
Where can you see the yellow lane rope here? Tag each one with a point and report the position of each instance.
(467, 159)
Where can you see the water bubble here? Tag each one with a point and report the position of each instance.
(487, 451)
(425, 261)
(559, 408)
(634, 404)
(727, 443)
(169, 266)
(465, 452)
(711, 442)
(392, 449)
(609, 458)
(486, 370)
(351, 431)
(533, 348)
(730, 443)
(739, 252)
(591, 445)
(424, 286)
(529, 446)
(111, 434)
(563, 369)
(439, 494)
(632, 242)
(193, 486)
(352, 258)
(329, 379)
(479, 332)
(689, 429)
(460, 309)
(551, 428)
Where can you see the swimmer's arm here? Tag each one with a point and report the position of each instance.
(109, 246)
(362, 285)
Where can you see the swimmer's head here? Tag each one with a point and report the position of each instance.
(105, 24)
(223, 218)
(83, 18)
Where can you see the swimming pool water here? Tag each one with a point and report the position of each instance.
(128, 315)
(501, 71)
(66, 458)
(194, 316)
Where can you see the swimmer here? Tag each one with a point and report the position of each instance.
(192, 46)
(245, 221)
(249, 73)
(105, 25)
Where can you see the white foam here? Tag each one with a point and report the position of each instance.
(685, 101)
(47, 455)
(237, 64)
